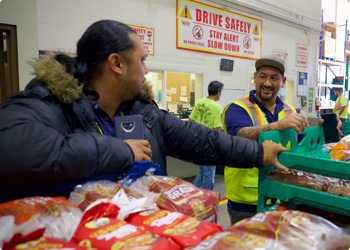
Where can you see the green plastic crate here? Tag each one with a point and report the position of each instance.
(313, 139)
(346, 127)
(307, 155)
(274, 191)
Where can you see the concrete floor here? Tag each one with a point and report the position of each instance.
(223, 218)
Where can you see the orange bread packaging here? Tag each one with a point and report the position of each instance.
(180, 196)
(186, 231)
(100, 229)
(48, 243)
(57, 215)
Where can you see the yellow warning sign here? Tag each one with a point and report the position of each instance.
(256, 30)
(185, 13)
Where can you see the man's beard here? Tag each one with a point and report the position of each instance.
(264, 97)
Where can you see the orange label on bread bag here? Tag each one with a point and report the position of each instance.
(24, 209)
(186, 231)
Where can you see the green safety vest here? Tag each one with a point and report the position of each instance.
(242, 183)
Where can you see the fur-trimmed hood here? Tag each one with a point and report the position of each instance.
(64, 86)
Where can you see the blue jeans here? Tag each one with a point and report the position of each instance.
(206, 177)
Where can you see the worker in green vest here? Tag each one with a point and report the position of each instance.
(341, 104)
(261, 110)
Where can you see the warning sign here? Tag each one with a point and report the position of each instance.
(147, 37)
(205, 28)
(256, 30)
(197, 32)
(185, 13)
(246, 42)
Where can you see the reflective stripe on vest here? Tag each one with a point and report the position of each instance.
(257, 116)
(256, 113)
(242, 183)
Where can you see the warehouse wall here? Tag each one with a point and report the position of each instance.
(52, 25)
(58, 24)
(23, 14)
(61, 23)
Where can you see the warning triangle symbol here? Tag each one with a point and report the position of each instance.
(185, 13)
(256, 30)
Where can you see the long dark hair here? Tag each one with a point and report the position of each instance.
(100, 40)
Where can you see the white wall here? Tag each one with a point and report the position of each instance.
(336, 11)
(58, 24)
(23, 14)
(309, 8)
(59, 27)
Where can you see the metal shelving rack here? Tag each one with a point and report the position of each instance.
(325, 89)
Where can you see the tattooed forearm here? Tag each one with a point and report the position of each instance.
(266, 127)
(253, 132)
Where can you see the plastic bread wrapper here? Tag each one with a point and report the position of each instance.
(9, 231)
(120, 206)
(58, 216)
(340, 151)
(292, 230)
(178, 195)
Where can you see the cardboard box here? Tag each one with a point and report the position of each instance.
(331, 29)
(328, 46)
(329, 26)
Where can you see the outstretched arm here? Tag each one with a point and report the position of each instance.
(294, 121)
(200, 145)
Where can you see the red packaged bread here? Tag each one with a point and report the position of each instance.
(57, 215)
(181, 196)
(99, 228)
(47, 243)
(186, 231)
(108, 233)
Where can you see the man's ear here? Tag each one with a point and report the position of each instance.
(114, 61)
(284, 80)
(255, 75)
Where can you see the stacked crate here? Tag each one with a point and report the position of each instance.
(346, 127)
(309, 156)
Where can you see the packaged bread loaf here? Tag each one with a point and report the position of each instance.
(180, 196)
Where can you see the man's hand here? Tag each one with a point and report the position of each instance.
(271, 151)
(141, 149)
(294, 121)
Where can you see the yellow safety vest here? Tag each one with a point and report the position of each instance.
(242, 183)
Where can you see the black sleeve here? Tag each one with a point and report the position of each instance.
(200, 145)
(33, 152)
(260, 156)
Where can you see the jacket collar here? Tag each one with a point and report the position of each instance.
(64, 86)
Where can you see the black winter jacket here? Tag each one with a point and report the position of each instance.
(48, 135)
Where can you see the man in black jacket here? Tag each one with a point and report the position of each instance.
(60, 128)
